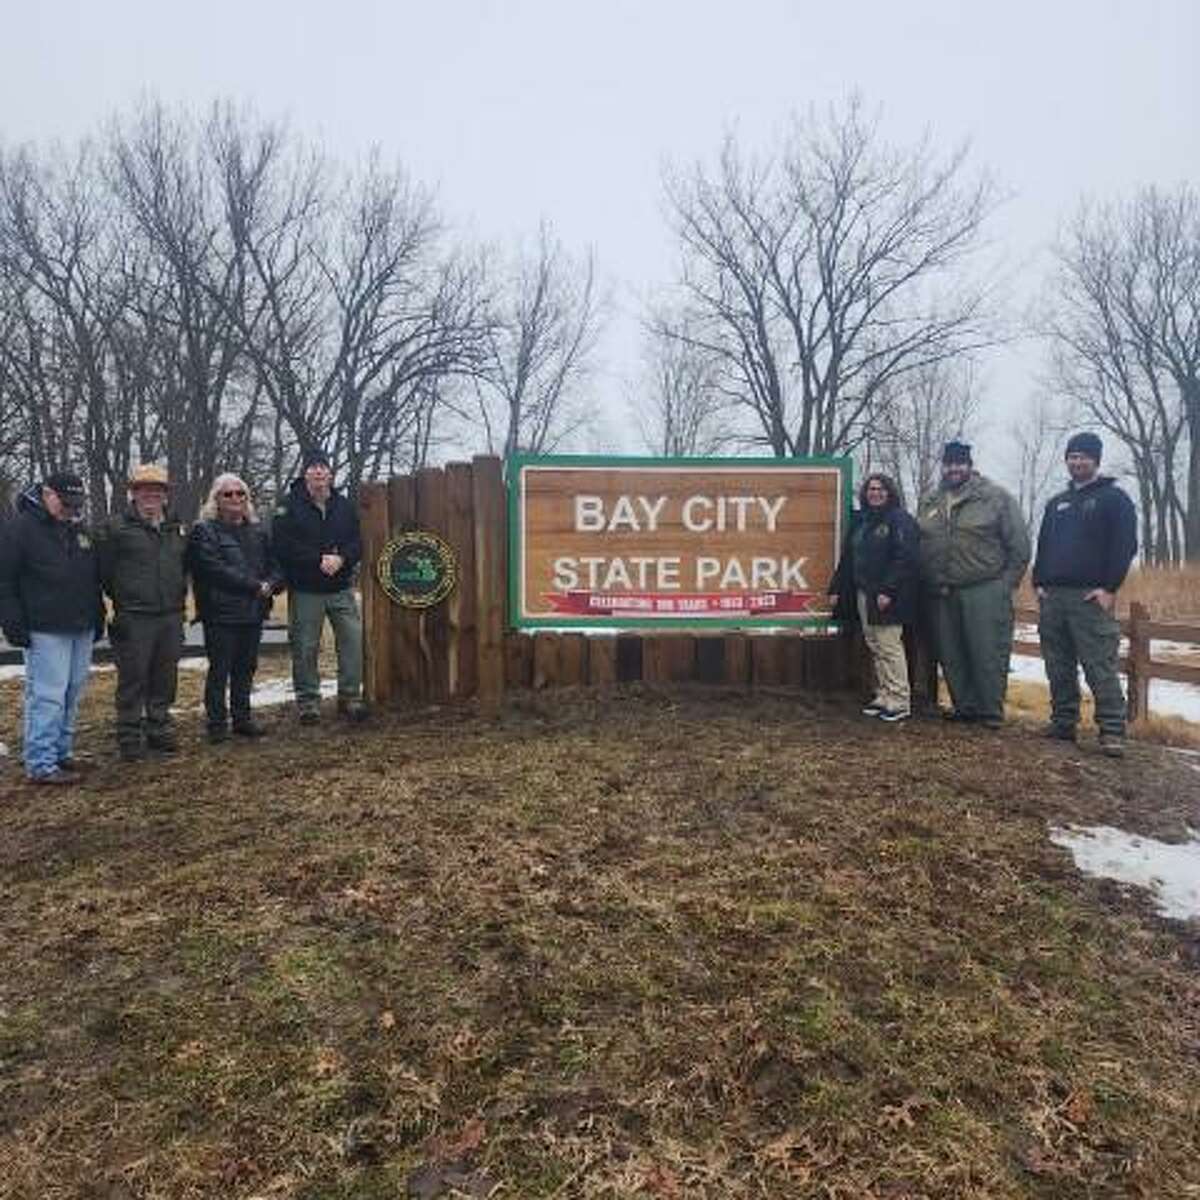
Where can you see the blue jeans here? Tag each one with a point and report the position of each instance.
(56, 672)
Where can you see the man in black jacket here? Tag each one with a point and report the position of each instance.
(142, 553)
(1087, 540)
(316, 539)
(50, 604)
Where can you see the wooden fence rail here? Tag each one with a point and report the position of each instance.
(1138, 662)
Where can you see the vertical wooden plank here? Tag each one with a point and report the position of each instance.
(794, 656)
(602, 660)
(766, 661)
(546, 647)
(377, 607)
(654, 664)
(491, 555)
(518, 660)
(630, 652)
(737, 659)
(408, 678)
(710, 658)
(460, 533)
(434, 623)
(572, 660)
(679, 653)
(1139, 662)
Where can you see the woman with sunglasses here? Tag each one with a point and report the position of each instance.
(235, 576)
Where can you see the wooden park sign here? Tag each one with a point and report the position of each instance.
(642, 543)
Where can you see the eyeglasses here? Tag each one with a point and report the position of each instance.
(234, 494)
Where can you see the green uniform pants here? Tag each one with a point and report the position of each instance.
(146, 650)
(1076, 631)
(306, 616)
(973, 631)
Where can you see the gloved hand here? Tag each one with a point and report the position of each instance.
(16, 635)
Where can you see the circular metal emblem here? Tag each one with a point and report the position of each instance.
(418, 569)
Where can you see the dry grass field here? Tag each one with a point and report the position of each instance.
(663, 944)
(1170, 595)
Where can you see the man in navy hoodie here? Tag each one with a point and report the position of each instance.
(51, 606)
(1087, 540)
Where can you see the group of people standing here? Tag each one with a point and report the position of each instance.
(55, 573)
(961, 559)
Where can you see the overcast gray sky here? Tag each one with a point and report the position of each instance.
(566, 109)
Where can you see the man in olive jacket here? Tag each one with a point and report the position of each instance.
(974, 551)
(142, 568)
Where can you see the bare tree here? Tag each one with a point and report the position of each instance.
(679, 407)
(1038, 439)
(1125, 329)
(545, 324)
(915, 415)
(821, 277)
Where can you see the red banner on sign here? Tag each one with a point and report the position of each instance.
(682, 604)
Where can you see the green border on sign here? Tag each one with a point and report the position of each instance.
(513, 468)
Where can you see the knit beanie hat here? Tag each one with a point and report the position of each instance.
(1085, 443)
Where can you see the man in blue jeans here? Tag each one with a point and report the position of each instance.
(51, 605)
(316, 539)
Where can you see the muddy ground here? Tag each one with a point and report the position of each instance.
(647, 943)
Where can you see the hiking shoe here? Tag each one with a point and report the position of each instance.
(248, 729)
(131, 752)
(164, 743)
(893, 714)
(954, 714)
(353, 709)
(873, 709)
(218, 733)
(309, 716)
(1112, 746)
(56, 778)
(74, 766)
(991, 722)
(1059, 733)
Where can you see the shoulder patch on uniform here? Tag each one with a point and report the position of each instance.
(281, 510)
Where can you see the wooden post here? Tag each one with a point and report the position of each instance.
(460, 533)
(518, 660)
(377, 607)
(573, 659)
(491, 553)
(546, 667)
(602, 661)
(737, 659)
(408, 676)
(1139, 662)
(434, 623)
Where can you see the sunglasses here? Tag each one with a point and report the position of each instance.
(234, 494)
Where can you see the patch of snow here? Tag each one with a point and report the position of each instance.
(3, 750)
(17, 670)
(1167, 698)
(1170, 872)
(280, 691)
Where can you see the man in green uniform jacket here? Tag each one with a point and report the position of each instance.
(974, 551)
(142, 568)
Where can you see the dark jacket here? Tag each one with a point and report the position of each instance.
(881, 554)
(143, 569)
(301, 533)
(229, 564)
(49, 576)
(1088, 538)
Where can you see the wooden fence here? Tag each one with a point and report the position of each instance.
(1138, 663)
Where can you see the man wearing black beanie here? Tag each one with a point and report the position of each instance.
(1087, 540)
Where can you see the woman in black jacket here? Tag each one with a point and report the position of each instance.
(875, 584)
(235, 576)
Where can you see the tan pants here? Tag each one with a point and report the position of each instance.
(886, 644)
